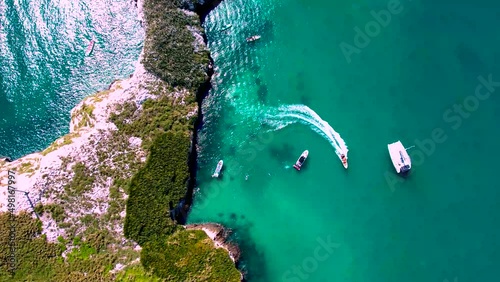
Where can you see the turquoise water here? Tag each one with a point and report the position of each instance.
(292, 90)
(44, 72)
(295, 89)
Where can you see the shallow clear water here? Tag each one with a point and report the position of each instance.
(44, 72)
(295, 89)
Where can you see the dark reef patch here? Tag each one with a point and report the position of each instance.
(262, 93)
(304, 100)
(299, 81)
(252, 260)
(254, 68)
(285, 151)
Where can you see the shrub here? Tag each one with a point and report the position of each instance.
(39, 260)
(168, 49)
(158, 185)
(188, 255)
(82, 180)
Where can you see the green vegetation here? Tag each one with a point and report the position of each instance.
(25, 168)
(164, 124)
(38, 260)
(188, 256)
(85, 113)
(169, 46)
(82, 180)
(162, 181)
(29, 166)
(136, 273)
(56, 211)
(66, 140)
(157, 117)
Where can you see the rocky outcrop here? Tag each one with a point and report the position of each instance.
(219, 235)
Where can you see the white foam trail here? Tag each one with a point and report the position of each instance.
(291, 114)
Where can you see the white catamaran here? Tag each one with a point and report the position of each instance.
(400, 158)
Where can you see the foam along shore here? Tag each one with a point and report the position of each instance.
(90, 142)
(43, 175)
(73, 182)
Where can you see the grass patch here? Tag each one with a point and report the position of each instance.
(25, 167)
(81, 182)
(66, 140)
(56, 211)
(85, 113)
(157, 117)
(136, 273)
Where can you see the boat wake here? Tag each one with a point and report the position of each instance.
(290, 114)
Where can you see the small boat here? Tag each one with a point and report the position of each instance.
(253, 38)
(90, 48)
(226, 27)
(218, 169)
(400, 158)
(343, 158)
(301, 160)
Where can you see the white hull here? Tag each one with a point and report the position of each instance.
(218, 169)
(253, 38)
(345, 164)
(344, 161)
(400, 158)
(300, 161)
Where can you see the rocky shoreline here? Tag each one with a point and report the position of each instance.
(219, 234)
(91, 147)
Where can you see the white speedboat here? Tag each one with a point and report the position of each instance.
(400, 158)
(298, 164)
(253, 38)
(218, 169)
(343, 158)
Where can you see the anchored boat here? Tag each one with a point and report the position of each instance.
(253, 38)
(298, 164)
(400, 158)
(218, 169)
